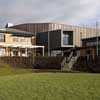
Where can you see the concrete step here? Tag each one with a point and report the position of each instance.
(66, 67)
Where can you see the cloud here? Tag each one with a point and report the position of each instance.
(60, 11)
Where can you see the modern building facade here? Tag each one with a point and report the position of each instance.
(14, 42)
(44, 27)
(79, 32)
(56, 41)
(56, 32)
(93, 45)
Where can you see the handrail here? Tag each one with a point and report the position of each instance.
(75, 59)
(70, 56)
(63, 62)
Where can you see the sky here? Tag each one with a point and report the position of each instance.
(56, 11)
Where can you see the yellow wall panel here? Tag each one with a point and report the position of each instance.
(9, 40)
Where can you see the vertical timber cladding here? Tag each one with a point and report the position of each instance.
(33, 27)
(76, 31)
(44, 27)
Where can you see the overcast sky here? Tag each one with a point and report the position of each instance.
(57, 11)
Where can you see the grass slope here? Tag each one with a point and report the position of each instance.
(6, 69)
(50, 86)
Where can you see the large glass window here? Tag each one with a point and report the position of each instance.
(15, 52)
(22, 39)
(2, 38)
(65, 39)
(28, 39)
(15, 39)
(2, 51)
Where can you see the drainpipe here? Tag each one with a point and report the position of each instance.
(97, 37)
(48, 43)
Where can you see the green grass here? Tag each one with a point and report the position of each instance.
(6, 69)
(50, 86)
(23, 84)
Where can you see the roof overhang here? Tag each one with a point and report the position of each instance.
(20, 46)
(15, 31)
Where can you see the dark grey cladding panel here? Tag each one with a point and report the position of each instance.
(55, 39)
(42, 39)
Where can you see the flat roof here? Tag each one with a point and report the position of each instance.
(14, 31)
(90, 38)
(20, 46)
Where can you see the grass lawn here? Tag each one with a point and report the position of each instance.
(50, 86)
(23, 84)
(6, 69)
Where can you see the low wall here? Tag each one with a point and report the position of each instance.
(25, 62)
(87, 64)
(48, 62)
(37, 62)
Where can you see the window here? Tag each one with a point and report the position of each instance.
(22, 51)
(2, 38)
(28, 39)
(15, 52)
(15, 39)
(2, 51)
(88, 51)
(22, 39)
(65, 39)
